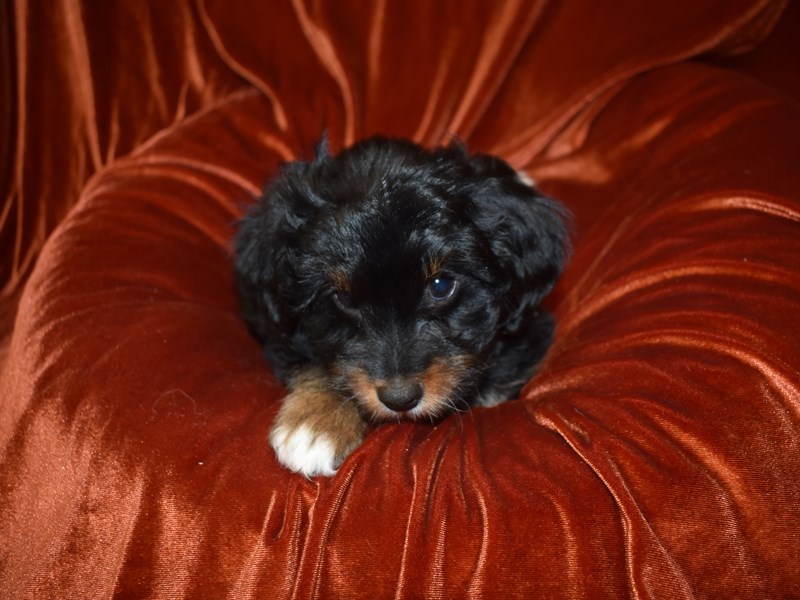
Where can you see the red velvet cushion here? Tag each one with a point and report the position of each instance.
(506, 75)
(654, 455)
(81, 83)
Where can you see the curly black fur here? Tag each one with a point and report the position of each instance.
(379, 263)
(375, 218)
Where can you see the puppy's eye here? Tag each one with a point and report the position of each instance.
(344, 302)
(343, 299)
(441, 288)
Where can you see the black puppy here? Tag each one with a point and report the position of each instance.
(394, 282)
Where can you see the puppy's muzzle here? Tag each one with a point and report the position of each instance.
(400, 394)
(426, 394)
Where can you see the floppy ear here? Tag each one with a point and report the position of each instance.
(259, 263)
(266, 238)
(527, 233)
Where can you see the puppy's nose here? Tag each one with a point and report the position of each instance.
(400, 394)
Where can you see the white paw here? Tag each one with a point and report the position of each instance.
(304, 451)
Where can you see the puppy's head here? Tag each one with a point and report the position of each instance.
(400, 270)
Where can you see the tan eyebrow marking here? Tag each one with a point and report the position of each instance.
(433, 265)
(340, 280)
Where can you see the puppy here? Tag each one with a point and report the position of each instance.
(393, 282)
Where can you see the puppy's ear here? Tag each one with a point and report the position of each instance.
(266, 237)
(528, 233)
(258, 261)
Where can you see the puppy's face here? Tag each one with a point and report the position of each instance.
(406, 297)
(399, 271)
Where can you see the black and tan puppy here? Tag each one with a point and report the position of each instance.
(393, 282)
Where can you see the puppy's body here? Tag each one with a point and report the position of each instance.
(395, 282)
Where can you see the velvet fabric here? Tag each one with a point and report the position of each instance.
(654, 455)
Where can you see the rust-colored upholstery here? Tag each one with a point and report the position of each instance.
(656, 454)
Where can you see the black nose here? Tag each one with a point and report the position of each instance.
(400, 394)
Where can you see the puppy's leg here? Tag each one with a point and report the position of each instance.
(315, 429)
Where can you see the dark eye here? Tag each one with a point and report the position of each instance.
(344, 302)
(343, 299)
(441, 288)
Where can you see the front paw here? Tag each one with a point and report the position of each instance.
(315, 429)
